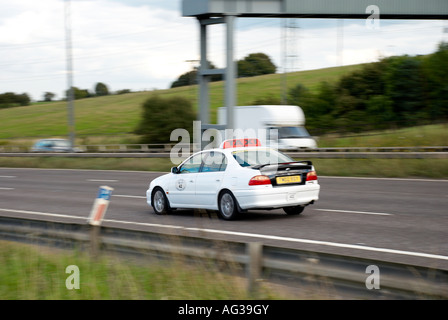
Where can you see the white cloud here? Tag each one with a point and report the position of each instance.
(133, 47)
(317, 47)
(145, 44)
(321, 45)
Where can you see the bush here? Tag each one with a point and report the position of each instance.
(101, 89)
(255, 64)
(396, 91)
(162, 115)
(10, 99)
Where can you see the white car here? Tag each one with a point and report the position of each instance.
(239, 176)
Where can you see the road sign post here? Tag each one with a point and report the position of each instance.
(96, 217)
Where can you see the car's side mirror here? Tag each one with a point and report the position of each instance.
(174, 170)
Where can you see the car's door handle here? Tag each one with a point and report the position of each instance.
(218, 180)
(191, 180)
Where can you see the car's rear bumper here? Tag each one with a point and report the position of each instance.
(269, 197)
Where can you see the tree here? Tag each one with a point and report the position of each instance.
(267, 99)
(255, 64)
(48, 96)
(101, 89)
(79, 93)
(123, 91)
(191, 77)
(435, 70)
(404, 87)
(186, 79)
(379, 111)
(161, 116)
(10, 99)
(325, 98)
(301, 96)
(23, 99)
(305, 99)
(321, 119)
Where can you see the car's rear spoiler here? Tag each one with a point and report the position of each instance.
(307, 163)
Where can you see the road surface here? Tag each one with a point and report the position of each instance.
(400, 220)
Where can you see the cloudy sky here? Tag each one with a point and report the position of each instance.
(147, 44)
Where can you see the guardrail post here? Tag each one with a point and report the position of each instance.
(254, 266)
(95, 241)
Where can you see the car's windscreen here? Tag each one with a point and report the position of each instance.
(292, 132)
(247, 158)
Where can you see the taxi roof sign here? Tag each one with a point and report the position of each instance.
(241, 143)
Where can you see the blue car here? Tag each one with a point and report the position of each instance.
(54, 145)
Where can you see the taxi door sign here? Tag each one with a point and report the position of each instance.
(100, 205)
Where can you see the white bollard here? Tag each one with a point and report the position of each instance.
(100, 206)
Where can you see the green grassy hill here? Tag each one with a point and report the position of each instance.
(109, 118)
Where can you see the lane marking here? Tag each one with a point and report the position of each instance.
(298, 240)
(6, 188)
(128, 196)
(102, 180)
(362, 212)
(250, 235)
(43, 214)
(86, 170)
(8, 177)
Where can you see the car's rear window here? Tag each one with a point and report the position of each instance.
(252, 157)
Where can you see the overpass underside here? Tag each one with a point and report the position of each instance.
(343, 9)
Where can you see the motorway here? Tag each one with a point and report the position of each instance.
(399, 220)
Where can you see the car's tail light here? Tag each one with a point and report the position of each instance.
(310, 176)
(259, 180)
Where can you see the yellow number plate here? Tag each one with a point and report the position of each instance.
(290, 179)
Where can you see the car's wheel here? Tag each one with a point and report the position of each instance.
(228, 207)
(294, 210)
(159, 202)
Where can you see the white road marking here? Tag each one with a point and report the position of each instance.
(128, 196)
(6, 188)
(43, 213)
(250, 235)
(8, 177)
(271, 237)
(87, 170)
(101, 180)
(362, 212)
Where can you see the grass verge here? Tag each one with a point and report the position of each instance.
(425, 135)
(36, 273)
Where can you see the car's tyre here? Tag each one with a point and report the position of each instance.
(160, 202)
(294, 210)
(228, 206)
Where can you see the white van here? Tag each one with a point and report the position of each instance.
(279, 126)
